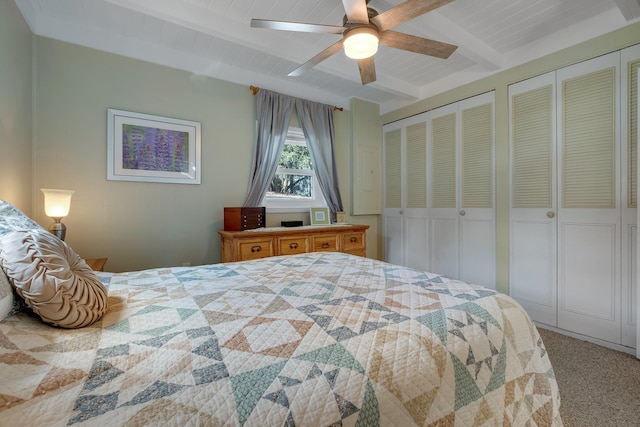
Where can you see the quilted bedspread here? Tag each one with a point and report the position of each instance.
(321, 339)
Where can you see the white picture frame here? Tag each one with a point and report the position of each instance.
(320, 216)
(143, 147)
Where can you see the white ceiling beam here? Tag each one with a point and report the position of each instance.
(470, 46)
(395, 86)
(443, 29)
(630, 9)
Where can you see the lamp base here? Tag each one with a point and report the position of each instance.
(58, 229)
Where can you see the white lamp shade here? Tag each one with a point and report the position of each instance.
(57, 202)
(361, 43)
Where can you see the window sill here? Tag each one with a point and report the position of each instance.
(284, 209)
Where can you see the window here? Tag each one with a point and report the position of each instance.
(294, 187)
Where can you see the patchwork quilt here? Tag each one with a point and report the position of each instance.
(319, 339)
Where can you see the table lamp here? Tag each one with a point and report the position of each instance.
(56, 206)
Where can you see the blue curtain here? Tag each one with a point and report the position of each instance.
(274, 113)
(316, 121)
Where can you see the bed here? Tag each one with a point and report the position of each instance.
(318, 339)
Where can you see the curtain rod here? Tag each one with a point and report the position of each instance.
(256, 89)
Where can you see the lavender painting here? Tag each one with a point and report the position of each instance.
(154, 149)
(142, 147)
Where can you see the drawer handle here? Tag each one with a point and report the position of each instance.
(353, 239)
(256, 248)
(293, 245)
(325, 245)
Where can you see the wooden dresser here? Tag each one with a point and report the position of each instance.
(266, 242)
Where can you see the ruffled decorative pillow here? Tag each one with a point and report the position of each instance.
(52, 279)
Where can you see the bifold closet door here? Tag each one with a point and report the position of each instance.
(477, 191)
(443, 145)
(629, 148)
(462, 213)
(634, 306)
(587, 116)
(406, 224)
(392, 234)
(532, 215)
(589, 220)
(416, 222)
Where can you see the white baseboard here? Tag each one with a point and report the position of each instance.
(603, 343)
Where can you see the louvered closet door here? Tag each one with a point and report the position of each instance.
(629, 203)
(636, 309)
(415, 220)
(477, 199)
(462, 233)
(588, 212)
(532, 215)
(393, 193)
(443, 146)
(405, 213)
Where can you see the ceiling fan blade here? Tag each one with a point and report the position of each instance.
(367, 70)
(356, 11)
(334, 48)
(296, 26)
(417, 44)
(406, 11)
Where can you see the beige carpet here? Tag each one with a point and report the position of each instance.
(598, 386)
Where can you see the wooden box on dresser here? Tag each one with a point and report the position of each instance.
(266, 242)
(244, 218)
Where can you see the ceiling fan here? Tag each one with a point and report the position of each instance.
(361, 31)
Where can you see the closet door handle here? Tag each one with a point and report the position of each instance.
(550, 214)
(462, 213)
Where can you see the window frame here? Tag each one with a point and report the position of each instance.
(295, 136)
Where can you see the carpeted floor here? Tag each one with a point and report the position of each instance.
(598, 386)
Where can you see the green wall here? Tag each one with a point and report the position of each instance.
(136, 224)
(15, 107)
(500, 82)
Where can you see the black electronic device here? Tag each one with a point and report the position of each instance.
(291, 223)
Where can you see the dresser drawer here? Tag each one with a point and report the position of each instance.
(326, 242)
(353, 242)
(293, 245)
(265, 242)
(254, 249)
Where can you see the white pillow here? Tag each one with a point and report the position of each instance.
(52, 279)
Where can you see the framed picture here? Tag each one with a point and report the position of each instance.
(320, 216)
(142, 147)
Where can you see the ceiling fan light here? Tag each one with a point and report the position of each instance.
(361, 43)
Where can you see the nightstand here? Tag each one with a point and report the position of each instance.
(96, 264)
